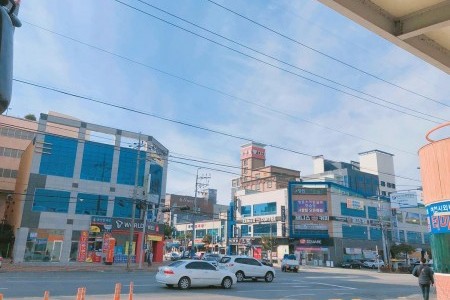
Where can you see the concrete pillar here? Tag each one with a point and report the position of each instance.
(435, 173)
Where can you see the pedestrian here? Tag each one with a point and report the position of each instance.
(149, 258)
(425, 275)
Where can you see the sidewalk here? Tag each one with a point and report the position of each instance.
(7, 266)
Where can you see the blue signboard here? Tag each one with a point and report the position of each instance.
(438, 215)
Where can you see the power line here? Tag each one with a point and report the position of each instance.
(324, 54)
(166, 119)
(296, 74)
(220, 91)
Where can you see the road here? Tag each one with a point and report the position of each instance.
(310, 283)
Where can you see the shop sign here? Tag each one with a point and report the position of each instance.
(356, 220)
(439, 217)
(310, 206)
(355, 204)
(260, 219)
(353, 250)
(239, 241)
(197, 226)
(156, 238)
(312, 218)
(125, 224)
(82, 246)
(100, 224)
(311, 226)
(308, 191)
(105, 245)
(316, 242)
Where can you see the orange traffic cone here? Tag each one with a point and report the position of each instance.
(117, 291)
(1, 296)
(46, 295)
(130, 296)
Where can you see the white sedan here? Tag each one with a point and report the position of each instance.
(187, 273)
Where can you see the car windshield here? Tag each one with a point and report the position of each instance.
(224, 260)
(291, 257)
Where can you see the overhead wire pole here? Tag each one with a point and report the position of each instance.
(133, 208)
(194, 216)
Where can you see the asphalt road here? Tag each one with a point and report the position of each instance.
(309, 283)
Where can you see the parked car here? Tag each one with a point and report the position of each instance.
(215, 256)
(290, 263)
(247, 267)
(211, 260)
(373, 264)
(352, 264)
(189, 273)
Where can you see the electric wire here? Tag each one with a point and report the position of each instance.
(289, 71)
(325, 54)
(254, 103)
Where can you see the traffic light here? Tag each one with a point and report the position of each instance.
(8, 20)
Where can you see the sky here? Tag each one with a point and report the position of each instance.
(142, 56)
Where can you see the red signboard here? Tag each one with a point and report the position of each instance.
(82, 246)
(253, 152)
(110, 251)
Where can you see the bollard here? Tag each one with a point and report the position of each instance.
(79, 294)
(83, 293)
(1, 296)
(130, 296)
(46, 295)
(117, 291)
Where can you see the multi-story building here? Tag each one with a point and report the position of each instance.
(77, 188)
(372, 175)
(256, 176)
(15, 136)
(323, 222)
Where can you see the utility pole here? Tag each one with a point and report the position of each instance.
(133, 208)
(383, 239)
(194, 216)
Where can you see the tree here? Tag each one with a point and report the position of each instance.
(6, 238)
(207, 239)
(30, 117)
(168, 231)
(268, 242)
(401, 249)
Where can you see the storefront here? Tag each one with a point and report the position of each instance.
(112, 235)
(313, 251)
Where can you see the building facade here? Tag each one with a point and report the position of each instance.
(324, 223)
(77, 188)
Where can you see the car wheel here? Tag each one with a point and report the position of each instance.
(240, 276)
(184, 283)
(227, 283)
(169, 285)
(268, 277)
(255, 279)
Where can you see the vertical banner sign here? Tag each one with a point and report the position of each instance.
(105, 246)
(283, 213)
(283, 229)
(82, 246)
(110, 251)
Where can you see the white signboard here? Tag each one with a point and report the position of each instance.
(355, 204)
(405, 199)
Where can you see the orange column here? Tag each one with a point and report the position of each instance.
(435, 173)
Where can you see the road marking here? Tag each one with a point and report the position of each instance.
(335, 285)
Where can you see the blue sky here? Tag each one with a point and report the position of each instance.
(224, 90)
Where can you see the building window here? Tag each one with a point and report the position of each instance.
(375, 234)
(127, 167)
(245, 162)
(17, 133)
(269, 184)
(382, 183)
(61, 158)
(264, 209)
(414, 237)
(89, 204)
(393, 185)
(8, 173)
(354, 232)
(8, 152)
(265, 229)
(200, 233)
(51, 201)
(257, 186)
(246, 211)
(244, 230)
(345, 211)
(257, 175)
(388, 184)
(383, 193)
(373, 213)
(97, 162)
(123, 207)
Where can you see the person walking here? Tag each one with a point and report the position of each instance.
(425, 276)
(149, 258)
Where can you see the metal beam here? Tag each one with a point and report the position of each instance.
(421, 22)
